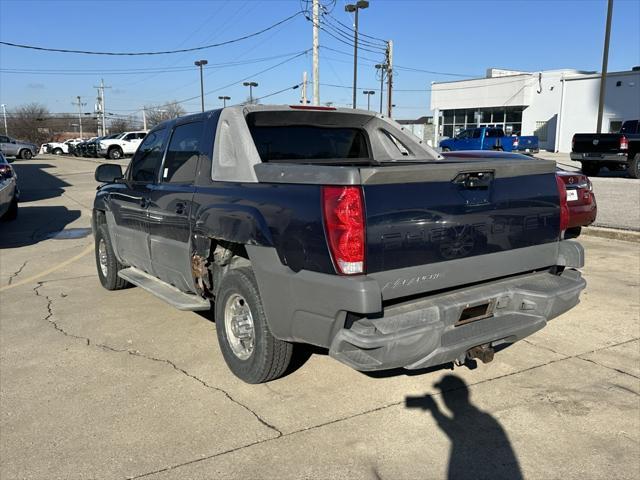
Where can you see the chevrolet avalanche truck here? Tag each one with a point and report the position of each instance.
(337, 228)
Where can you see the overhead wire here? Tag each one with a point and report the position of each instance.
(163, 52)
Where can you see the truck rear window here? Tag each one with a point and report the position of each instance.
(310, 144)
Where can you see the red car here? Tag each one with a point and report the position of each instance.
(581, 199)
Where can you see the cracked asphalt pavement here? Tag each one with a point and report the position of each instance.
(98, 384)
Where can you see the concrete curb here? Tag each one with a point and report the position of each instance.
(612, 233)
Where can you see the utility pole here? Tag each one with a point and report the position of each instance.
(389, 77)
(144, 118)
(605, 62)
(303, 91)
(316, 55)
(80, 105)
(4, 115)
(351, 8)
(101, 105)
(382, 67)
(201, 63)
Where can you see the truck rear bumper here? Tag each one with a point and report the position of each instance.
(602, 157)
(428, 332)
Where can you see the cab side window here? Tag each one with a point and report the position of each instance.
(146, 162)
(181, 161)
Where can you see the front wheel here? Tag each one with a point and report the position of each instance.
(591, 169)
(446, 149)
(57, 151)
(250, 350)
(26, 154)
(633, 168)
(106, 262)
(115, 154)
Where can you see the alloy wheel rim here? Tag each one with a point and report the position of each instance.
(102, 257)
(238, 324)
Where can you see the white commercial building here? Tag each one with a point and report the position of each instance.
(553, 104)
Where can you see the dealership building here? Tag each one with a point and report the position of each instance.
(552, 104)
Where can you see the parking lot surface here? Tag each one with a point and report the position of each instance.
(98, 384)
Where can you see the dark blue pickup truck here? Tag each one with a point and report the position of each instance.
(336, 228)
(489, 138)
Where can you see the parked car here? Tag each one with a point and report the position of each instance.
(581, 199)
(488, 138)
(124, 144)
(336, 228)
(59, 148)
(17, 148)
(616, 151)
(9, 192)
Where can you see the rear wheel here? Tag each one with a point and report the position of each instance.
(633, 168)
(57, 151)
(572, 232)
(251, 352)
(106, 262)
(446, 149)
(12, 212)
(590, 169)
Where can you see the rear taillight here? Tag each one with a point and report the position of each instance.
(343, 211)
(564, 206)
(624, 143)
(6, 171)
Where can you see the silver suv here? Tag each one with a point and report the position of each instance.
(17, 148)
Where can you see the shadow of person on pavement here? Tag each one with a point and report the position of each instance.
(480, 447)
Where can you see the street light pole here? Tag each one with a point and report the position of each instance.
(224, 99)
(4, 115)
(354, 8)
(368, 93)
(201, 63)
(250, 85)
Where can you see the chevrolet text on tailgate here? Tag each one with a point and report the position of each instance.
(336, 228)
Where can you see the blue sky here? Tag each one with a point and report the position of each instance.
(457, 37)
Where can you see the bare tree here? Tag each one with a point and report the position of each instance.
(121, 125)
(31, 122)
(159, 113)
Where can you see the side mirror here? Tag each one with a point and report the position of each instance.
(108, 173)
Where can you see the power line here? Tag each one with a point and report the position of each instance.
(359, 33)
(139, 71)
(165, 52)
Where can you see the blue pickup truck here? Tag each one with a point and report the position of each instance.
(337, 228)
(488, 138)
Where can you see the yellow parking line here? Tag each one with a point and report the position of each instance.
(87, 250)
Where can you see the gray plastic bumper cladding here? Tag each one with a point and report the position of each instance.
(417, 333)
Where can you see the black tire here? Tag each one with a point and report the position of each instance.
(269, 357)
(572, 232)
(446, 149)
(26, 154)
(12, 212)
(591, 169)
(633, 167)
(109, 279)
(57, 151)
(115, 153)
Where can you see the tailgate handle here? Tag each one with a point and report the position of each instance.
(474, 180)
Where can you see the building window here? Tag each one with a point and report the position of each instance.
(541, 131)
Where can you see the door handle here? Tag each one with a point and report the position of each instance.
(180, 208)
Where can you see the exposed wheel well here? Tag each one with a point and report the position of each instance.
(212, 259)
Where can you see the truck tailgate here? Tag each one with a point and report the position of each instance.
(596, 143)
(450, 223)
